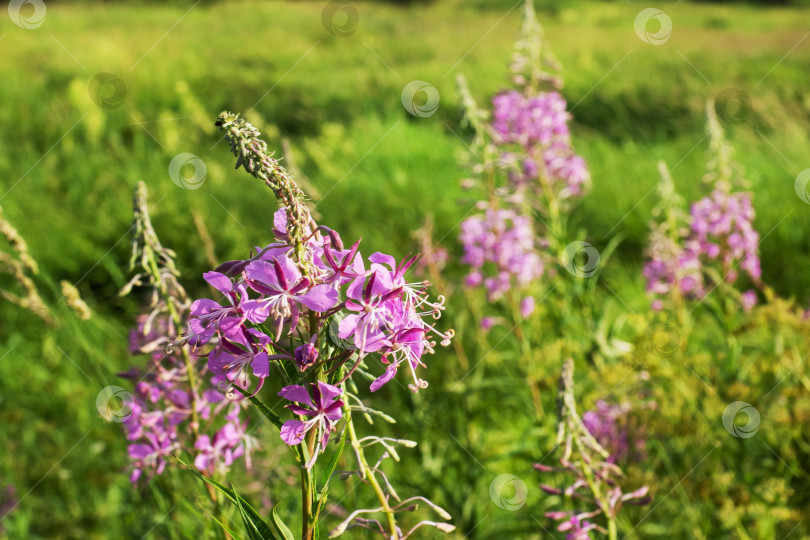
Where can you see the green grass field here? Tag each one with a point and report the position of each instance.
(68, 167)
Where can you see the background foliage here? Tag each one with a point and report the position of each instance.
(67, 168)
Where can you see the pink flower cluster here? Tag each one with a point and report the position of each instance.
(506, 241)
(159, 415)
(367, 302)
(722, 225)
(531, 137)
(721, 238)
(607, 424)
(672, 266)
(538, 125)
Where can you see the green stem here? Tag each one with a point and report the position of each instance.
(369, 475)
(597, 494)
(307, 489)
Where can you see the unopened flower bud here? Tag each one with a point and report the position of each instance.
(306, 355)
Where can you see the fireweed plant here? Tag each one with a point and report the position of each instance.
(173, 409)
(539, 278)
(519, 249)
(530, 172)
(595, 490)
(311, 314)
(713, 246)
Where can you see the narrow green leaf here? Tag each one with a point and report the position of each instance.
(281, 528)
(250, 525)
(333, 461)
(262, 530)
(230, 532)
(264, 409)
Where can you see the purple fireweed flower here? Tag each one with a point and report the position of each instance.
(722, 224)
(673, 267)
(232, 358)
(283, 289)
(505, 241)
(209, 317)
(340, 266)
(150, 336)
(229, 443)
(538, 125)
(151, 454)
(321, 408)
(406, 345)
(578, 529)
(608, 425)
(388, 315)
(720, 238)
(749, 300)
(529, 121)
(8, 502)
(372, 301)
(527, 306)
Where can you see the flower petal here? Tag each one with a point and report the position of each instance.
(384, 378)
(256, 311)
(293, 432)
(297, 394)
(261, 365)
(319, 298)
(328, 392)
(219, 281)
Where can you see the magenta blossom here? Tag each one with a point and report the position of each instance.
(283, 289)
(229, 443)
(151, 454)
(341, 266)
(233, 357)
(209, 317)
(322, 410)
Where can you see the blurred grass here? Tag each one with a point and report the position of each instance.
(67, 168)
